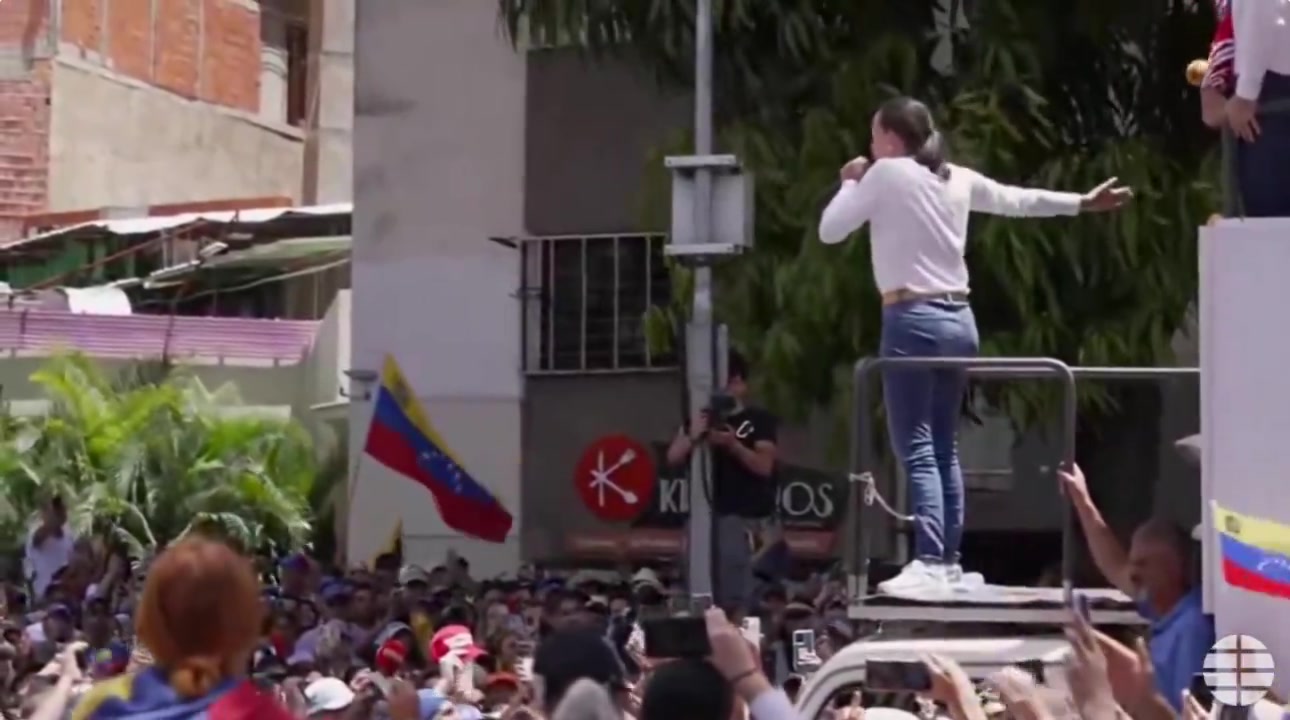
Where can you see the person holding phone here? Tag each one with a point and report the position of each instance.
(918, 205)
(1156, 573)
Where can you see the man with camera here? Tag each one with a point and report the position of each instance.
(742, 491)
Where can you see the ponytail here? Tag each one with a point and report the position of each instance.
(933, 155)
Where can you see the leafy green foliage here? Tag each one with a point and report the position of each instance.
(1043, 92)
(150, 456)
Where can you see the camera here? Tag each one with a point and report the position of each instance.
(720, 407)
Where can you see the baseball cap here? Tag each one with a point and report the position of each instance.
(335, 590)
(390, 656)
(412, 573)
(326, 695)
(392, 631)
(570, 654)
(454, 640)
(58, 609)
(110, 660)
(298, 562)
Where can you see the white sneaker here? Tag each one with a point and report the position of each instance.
(916, 577)
(960, 581)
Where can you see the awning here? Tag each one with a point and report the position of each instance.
(325, 220)
(295, 252)
(276, 254)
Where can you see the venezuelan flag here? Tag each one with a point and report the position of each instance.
(1255, 552)
(402, 439)
(147, 694)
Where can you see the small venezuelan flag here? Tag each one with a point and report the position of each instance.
(402, 439)
(1255, 552)
(147, 694)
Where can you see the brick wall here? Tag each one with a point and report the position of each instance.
(203, 49)
(24, 109)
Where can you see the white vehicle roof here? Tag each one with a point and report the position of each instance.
(979, 657)
(964, 651)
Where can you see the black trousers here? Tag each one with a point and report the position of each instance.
(1263, 166)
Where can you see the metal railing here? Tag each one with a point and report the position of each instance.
(862, 500)
(584, 302)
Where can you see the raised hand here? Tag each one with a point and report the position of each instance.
(1110, 195)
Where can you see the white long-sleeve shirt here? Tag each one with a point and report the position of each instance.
(1261, 30)
(920, 221)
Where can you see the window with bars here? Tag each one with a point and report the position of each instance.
(585, 299)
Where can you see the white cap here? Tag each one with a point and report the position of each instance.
(645, 576)
(327, 695)
(413, 573)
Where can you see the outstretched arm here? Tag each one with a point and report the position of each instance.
(995, 198)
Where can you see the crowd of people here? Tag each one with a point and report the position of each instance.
(202, 631)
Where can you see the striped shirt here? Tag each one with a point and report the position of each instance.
(1221, 74)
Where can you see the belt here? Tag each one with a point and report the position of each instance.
(902, 295)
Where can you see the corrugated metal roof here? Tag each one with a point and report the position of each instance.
(206, 339)
(150, 225)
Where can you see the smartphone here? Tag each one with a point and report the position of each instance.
(751, 629)
(897, 676)
(679, 637)
(1201, 690)
(804, 655)
(1082, 606)
(700, 604)
(1035, 668)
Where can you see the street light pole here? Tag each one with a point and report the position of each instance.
(711, 221)
(701, 353)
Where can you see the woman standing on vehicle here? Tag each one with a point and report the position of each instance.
(918, 205)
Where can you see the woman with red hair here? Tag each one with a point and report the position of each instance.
(200, 618)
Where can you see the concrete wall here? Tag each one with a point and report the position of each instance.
(330, 151)
(121, 102)
(157, 147)
(592, 129)
(562, 416)
(1246, 413)
(25, 46)
(438, 168)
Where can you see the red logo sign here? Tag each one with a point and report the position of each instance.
(615, 478)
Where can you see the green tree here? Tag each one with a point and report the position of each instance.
(1041, 92)
(147, 457)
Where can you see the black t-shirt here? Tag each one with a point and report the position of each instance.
(736, 490)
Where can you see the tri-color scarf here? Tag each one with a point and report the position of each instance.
(147, 695)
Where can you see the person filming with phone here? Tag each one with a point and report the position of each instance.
(743, 492)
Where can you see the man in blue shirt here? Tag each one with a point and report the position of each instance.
(1156, 573)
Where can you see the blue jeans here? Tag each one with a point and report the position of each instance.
(1263, 166)
(923, 408)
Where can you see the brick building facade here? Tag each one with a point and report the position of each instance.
(167, 77)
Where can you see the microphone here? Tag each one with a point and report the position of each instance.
(1196, 70)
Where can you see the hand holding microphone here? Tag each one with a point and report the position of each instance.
(1196, 70)
(855, 169)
